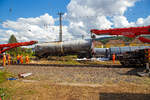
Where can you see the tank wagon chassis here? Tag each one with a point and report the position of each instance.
(137, 58)
(134, 58)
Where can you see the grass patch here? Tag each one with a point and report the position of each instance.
(4, 75)
(71, 60)
(4, 94)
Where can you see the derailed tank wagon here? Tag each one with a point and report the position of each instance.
(82, 48)
(85, 48)
(129, 55)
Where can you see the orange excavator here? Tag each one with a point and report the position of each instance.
(5, 47)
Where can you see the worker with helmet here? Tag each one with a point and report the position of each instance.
(4, 59)
(21, 59)
(114, 57)
(27, 59)
(148, 54)
(18, 59)
(9, 59)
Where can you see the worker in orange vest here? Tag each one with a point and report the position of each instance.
(4, 60)
(21, 59)
(9, 59)
(18, 59)
(148, 54)
(27, 59)
(114, 57)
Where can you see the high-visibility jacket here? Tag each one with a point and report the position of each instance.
(4, 60)
(18, 57)
(9, 59)
(114, 58)
(21, 59)
(149, 54)
(27, 59)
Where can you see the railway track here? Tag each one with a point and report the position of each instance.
(67, 65)
(96, 74)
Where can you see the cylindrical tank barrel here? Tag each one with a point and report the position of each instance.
(117, 50)
(101, 52)
(63, 48)
(120, 50)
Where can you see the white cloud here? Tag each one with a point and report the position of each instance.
(143, 22)
(121, 21)
(44, 19)
(83, 15)
(97, 14)
(27, 23)
(99, 7)
(103, 23)
(41, 28)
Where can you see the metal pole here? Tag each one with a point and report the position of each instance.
(60, 25)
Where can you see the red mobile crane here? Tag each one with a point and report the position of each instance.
(5, 47)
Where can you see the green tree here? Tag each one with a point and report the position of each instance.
(12, 39)
(19, 50)
(14, 51)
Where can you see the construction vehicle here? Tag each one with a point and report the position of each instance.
(137, 56)
(5, 47)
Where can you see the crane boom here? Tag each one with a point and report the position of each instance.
(5, 47)
(130, 32)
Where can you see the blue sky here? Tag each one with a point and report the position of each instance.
(141, 9)
(19, 16)
(13, 9)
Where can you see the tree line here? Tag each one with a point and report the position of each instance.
(19, 50)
